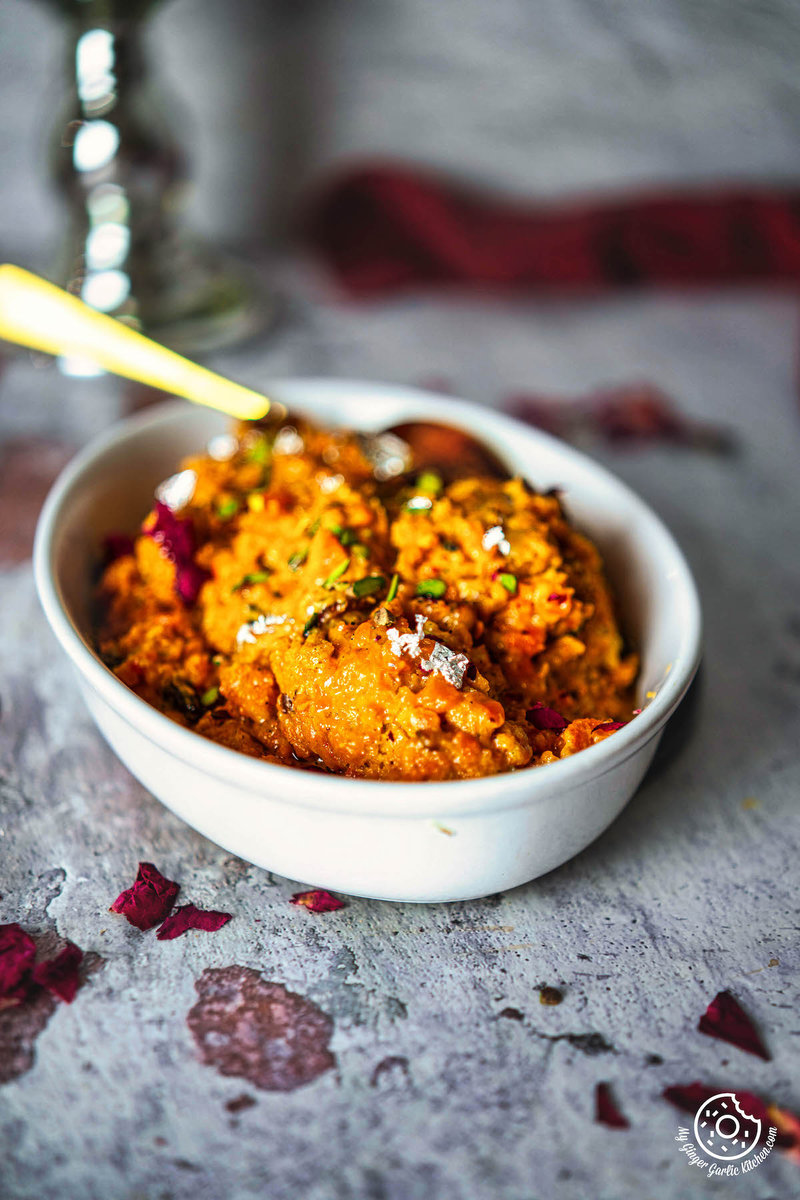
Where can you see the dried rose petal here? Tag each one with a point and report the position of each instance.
(60, 974)
(633, 414)
(17, 952)
(189, 917)
(788, 1126)
(175, 536)
(116, 545)
(546, 718)
(688, 1097)
(609, 726)
(318, 901)
(557, 598)
(149, 900)
(726, 1019)
(606, 1111)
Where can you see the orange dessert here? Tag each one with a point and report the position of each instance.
(302, 596)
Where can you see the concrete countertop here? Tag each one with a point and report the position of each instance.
(429, 1068)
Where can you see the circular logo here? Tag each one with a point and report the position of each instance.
(724, 1129)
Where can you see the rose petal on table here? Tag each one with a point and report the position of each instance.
(148, 902)
(60, 974)
(689, 1096)
(726, 1019)
(187, 917)
(606, 1110)
(318, 901)
(17, 952)
(633, 414)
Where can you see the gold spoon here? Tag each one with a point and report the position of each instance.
(36, 314)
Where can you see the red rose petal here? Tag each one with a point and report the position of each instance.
(116, 545)
(150, 899)
(17, 952)
(189, 917)
(60, 974)
(546, 718)
(726, 1019)
(318, 901)
(688, 1097)
(176, 537)
(609, 726)
(606, 1111)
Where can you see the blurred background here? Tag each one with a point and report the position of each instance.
(586, 212)
(553, 99)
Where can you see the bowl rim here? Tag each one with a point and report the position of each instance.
(391, 798)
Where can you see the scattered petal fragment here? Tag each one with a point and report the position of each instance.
(60, 974)
(176, 539)
(187, 917)
(606, 1111)
(726, 1019)
(147, 903)
(689, 1096)
(17, 952)
(543, 717)
(318, 901)
(114, 546)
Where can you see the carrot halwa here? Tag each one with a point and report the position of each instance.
(317, 599)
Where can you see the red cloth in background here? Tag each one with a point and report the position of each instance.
(384, 228)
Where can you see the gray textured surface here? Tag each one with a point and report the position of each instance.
(435, 1096)
(691, 891)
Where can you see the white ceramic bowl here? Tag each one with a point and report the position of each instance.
(394, 841)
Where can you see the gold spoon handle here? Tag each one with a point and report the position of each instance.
(36, 314)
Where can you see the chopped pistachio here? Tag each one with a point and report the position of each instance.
(366, 587)
(253, 577)
(209, 697)
(429, 481)
(393, 586)
(433, 588)
(227, 508)
(258, 450)
(296, 561)
(337, 573)
(509, 582)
